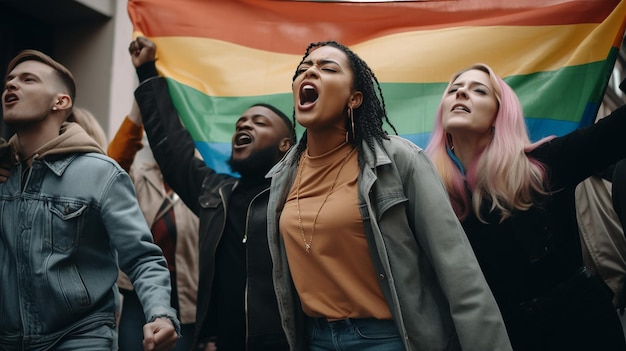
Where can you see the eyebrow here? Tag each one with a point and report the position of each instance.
(20, 74)
(321, 62)
(472, 83)
(256, 115)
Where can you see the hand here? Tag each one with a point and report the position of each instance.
(159, 335)
(5, 170)
(210, 346)
(6, 163)
(142, 50)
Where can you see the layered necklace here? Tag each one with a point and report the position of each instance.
(308, 243)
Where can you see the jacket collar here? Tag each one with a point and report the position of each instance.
(287, 160)
(59, 166)
(376, 157)
(372, 158)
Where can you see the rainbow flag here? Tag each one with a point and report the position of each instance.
(221, 56)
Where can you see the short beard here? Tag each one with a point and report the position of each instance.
(258, 163)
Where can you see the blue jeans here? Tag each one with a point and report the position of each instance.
(95, 332)
(353, 334)
(101, 338)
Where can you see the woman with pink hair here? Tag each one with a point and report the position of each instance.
(515, 200)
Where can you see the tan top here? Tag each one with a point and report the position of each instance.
(336, 278)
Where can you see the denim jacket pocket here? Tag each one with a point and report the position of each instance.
(74, 290)
(66, 223)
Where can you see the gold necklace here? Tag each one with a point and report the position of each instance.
(307, 244)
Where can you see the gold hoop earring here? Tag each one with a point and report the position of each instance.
(351, 118)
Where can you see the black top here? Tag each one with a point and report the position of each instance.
(226, 311)
(533, 251)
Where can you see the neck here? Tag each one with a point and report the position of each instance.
(466, 148)
(31, 138)
(321, 142)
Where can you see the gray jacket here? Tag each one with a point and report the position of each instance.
(429, 275)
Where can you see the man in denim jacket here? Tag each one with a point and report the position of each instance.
(69, 215)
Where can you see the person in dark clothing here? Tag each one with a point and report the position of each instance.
(619, 181)
(516, 203)
(236, 300)
(618, 195)
(619, 190)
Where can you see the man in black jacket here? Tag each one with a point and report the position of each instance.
(236, 300)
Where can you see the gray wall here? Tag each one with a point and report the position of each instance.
(89, 37)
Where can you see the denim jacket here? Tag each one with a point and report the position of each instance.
(427, 270)
(66, 223)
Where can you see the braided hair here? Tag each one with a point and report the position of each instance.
(368, 117)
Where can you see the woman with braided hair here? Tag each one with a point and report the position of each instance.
(368, 253)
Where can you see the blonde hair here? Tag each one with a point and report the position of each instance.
(90, 124)
(502, 173)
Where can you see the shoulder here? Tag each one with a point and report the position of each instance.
(87, 176)
(402, 151)
(401, 144)
(95, 166)
(286, 164)
(213, 181)
(98, 160)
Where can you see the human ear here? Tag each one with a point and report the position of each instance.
(63, 102)
(356, 99)
(284, 144)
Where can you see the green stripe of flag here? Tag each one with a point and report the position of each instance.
(411, 106)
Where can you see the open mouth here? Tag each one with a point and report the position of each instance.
(460, 107)
(308, 94)
(8, 98)
(243, 139)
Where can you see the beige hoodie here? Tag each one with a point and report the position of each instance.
(72, 139)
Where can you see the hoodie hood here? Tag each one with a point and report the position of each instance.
(72, 139)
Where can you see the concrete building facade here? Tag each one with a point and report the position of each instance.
(90, 37)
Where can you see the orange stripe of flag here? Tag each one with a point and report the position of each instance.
(237, 21)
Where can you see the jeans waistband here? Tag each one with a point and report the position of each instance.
(324, 323)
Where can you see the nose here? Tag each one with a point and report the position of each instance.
(461, 91)
(10, 85)
(245, 124)
(311, 72)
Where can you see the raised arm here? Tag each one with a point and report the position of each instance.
(585, 151)
(170, 142)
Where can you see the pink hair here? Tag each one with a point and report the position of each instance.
(502, 173)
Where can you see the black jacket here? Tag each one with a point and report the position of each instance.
(207, 194)
(532, 260)
(619, 190)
